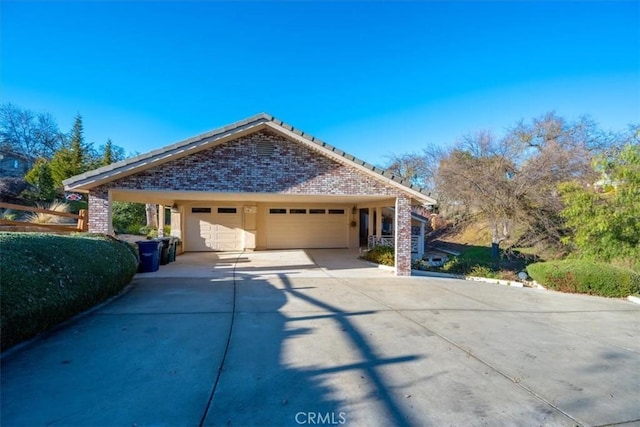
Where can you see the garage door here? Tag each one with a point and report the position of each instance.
(214, 229)
(289, 228)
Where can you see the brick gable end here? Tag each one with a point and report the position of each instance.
(263, 162)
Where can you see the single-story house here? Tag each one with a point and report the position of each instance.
(259, 184)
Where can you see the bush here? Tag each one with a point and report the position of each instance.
(585, 276)
(150, 232)
(48, 278)
(483, 271)
(381, 255)
(128, 217)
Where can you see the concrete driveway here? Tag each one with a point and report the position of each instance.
(321, 338)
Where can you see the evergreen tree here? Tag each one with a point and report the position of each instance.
(78, 148)
(73, 158)
(40, 177)
(107, 153)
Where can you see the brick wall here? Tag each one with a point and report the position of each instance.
(239, 166)
(98, 207)
(403, 236)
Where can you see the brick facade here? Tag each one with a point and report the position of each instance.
(99, 212)
(403, 236)
(239, 166)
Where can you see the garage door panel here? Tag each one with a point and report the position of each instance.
(309, 230)
(214, 231)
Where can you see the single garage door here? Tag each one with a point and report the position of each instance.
(292, 228)
(214, 229)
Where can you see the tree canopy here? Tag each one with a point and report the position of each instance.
(56, 156)
(30, 134)
(605, 219)
(512, 181)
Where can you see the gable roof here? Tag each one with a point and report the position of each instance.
(105, 174)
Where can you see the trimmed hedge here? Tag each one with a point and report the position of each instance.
(48, 278)
(585, 276)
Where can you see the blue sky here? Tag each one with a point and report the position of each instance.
(371, 78)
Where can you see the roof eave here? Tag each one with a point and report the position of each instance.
(144, 161)
(105, 174)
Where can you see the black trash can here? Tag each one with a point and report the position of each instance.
(164, 254)
(149, 255)
(172, 249)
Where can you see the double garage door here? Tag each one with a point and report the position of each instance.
(221, 228)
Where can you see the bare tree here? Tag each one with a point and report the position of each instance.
(418, 169)
(30, 134)
(513, 181)
(478, 176)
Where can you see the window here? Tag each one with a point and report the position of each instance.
(277, 211)
(297, 211)
(336, 211)
(200, 210)
(227, 210)
(317, 211)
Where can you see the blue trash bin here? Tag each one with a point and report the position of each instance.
(149, 255)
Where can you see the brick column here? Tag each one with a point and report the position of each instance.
(99, 212)
(403, 236)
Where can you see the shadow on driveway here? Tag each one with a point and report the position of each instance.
(153, 356)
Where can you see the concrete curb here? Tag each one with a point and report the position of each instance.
(436, 274)
(635, 300)
(511, 283)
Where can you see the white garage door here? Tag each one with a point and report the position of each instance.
(289, 228)
(214, 229)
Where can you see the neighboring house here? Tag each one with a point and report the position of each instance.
(14, 165)
(258, 184)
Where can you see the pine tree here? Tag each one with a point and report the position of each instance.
(108, 154)
(78, 148)
(73, 158)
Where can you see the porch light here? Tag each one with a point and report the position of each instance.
(174, 208)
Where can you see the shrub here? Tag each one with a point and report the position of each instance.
(585, 276)
(150, 232)
(381, 255)
(482, 271)
(128, 217)
(48, 278)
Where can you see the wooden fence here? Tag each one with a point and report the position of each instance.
(9, 225)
